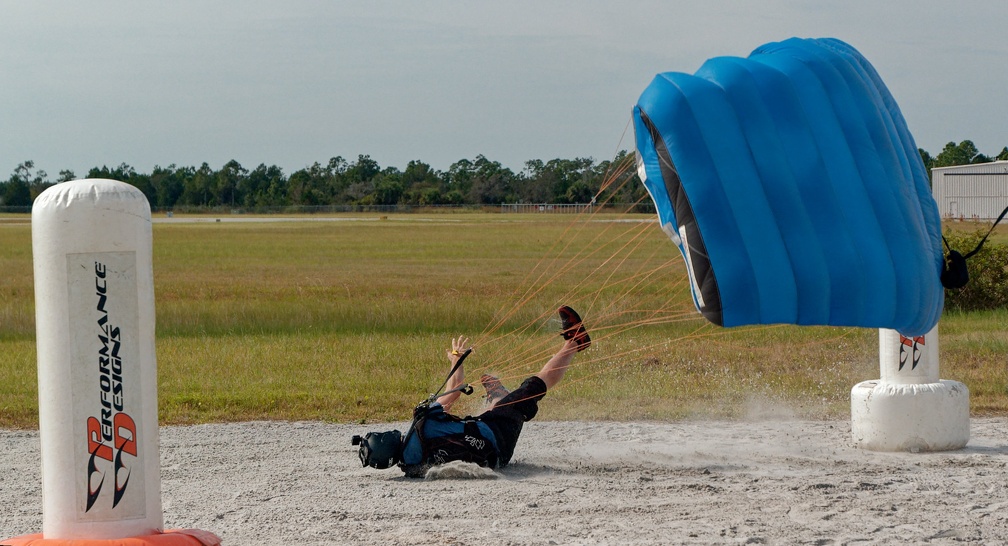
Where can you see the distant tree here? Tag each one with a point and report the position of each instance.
(66, 175)
(197, 189)
(24, 185)
(1003, 155)
(419, 173)
(491, 183)
(16, 193)
(315, 185)
(964, 153)
(340, 181)
(122, 173)
(169, 183)
(421, 184)
(459, 177)
(338, 165)
(579, 192)
(299, 188)
(126, 173)
(361, 193)
(552, 181)
(388, 189)
(17, 189)
(926, 159)
(143, 183)
(488, 190)
(265, 187)
(426, 196)
(535, 183)
(364, 169)
(229, 183)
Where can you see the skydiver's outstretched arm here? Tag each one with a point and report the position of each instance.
(459, 346)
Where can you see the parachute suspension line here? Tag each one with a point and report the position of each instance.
(621, 168)
(544, 279)
(626, 129)
(500, 320)
(637, 241)
(619, 314)
(616, 173)
(632, 281)
(632, 317)
(619, 359)
(519, 357)
(612, 174)
(634, 231)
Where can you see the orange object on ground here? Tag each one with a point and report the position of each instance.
(172, 537)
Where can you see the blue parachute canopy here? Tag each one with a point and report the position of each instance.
(793, 189)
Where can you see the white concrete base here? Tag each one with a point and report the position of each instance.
(916, 417)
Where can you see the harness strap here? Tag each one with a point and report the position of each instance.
(455, 368)
(955, 274)
(422, 411)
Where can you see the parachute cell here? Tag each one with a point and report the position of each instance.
(794, 190)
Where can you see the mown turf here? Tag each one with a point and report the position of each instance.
(348, 320)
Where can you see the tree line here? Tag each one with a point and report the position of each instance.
(360, 183)
(365, 183)
(964, 153)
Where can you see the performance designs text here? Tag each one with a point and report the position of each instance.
(111, 434)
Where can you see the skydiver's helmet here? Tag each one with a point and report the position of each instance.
(379, 449)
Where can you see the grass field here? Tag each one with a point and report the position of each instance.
(348, 319)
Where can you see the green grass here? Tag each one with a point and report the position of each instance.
(999, 235)
(348, 321)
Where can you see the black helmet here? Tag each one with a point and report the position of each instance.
(379, 449)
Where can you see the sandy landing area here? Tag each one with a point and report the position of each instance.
(746, 482)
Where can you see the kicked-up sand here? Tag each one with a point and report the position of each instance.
(690, 482)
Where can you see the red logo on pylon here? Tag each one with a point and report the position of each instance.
(910, 347)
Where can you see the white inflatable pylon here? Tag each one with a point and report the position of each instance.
(909, 408)
(97, 376)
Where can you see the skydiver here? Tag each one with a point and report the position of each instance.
(436, 437)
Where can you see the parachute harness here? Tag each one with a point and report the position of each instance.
(954, 273)
(433, 450)
(420, 411)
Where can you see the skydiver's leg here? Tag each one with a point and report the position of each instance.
(505, 419)
(556, 367)
(550, 375)
(495, 390)
(576, 339)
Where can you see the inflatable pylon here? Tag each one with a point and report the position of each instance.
(98, 413)
(909, 408)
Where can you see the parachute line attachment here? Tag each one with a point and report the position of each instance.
(955, 274)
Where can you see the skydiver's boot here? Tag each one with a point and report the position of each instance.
(495, 390)
(573, 328)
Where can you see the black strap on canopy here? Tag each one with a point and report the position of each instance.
(954, 273)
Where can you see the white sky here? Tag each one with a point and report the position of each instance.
(86, 84)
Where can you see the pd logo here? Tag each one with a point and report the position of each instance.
(107, 450)
(911, 349)
(109, 380)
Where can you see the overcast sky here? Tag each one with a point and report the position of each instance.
(86, 84)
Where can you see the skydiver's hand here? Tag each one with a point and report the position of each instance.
(459, 346)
